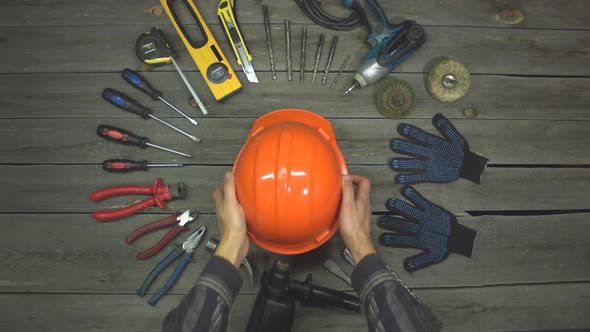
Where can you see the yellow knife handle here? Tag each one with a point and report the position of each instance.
(226, 16)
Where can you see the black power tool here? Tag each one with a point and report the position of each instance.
(275, 304)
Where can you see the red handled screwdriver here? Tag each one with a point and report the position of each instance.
(126, 165)
(144, 86)
(126, 103)
(122, 136)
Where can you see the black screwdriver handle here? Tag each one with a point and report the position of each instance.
(140, 83)
(121, 136)
(124, 165)
(124, 102)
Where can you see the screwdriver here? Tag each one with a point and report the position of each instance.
(126, 165)
(122, 136)
(126, 103)
(144, 86)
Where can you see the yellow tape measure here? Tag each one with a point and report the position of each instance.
(206, 54)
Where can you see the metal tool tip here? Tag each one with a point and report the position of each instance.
(352, 87)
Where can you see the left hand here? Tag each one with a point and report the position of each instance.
(234, 243)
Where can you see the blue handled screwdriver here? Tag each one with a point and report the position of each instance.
(126, 103)
(144, 86)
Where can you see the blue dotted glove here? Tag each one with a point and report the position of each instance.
(436, 159)
(426, 226)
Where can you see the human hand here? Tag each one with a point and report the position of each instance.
(234, 243)
(355, 216)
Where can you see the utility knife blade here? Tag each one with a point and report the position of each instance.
(225, 12)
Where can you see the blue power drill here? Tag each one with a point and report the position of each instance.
(391, 44)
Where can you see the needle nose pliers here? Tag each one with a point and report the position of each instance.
(161, 194)
(185, 252)
(177, 221)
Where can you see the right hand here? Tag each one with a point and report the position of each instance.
(355, 216)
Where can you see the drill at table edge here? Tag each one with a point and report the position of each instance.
(274, 308)
(391, 45)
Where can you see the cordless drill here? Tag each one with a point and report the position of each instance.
(274, 308)
(391, 44)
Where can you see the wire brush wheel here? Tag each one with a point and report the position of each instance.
(394, 98)
(448, 81)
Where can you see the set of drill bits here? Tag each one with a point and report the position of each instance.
(318, 54)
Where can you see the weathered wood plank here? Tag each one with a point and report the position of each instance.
(362, 141)
(539, 14)
(482, 50)
(73, 254)
(49, 188)
(539, 307)
(493, 97)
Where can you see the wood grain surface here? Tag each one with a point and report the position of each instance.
(515, 51)
(62, 271)
(519, 307)
(539, 13)
(56, 188)
(71, 253)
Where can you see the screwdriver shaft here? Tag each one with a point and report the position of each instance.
(194, 138)
(288, 42)
(318, 55)
(190, 88)
(191, 120)
(269, 42)
(169, 150)
(302, 64)
(165, 165)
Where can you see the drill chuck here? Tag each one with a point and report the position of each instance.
(368, 73)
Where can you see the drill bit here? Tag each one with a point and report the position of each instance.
(330, 57)
(288, 43)
(302, 65)
(340, 72)
(269, 42)
(318, 55)
(355, 85)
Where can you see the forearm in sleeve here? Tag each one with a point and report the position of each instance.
(388, 304)
(206, 307)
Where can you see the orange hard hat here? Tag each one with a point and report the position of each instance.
(288, 179)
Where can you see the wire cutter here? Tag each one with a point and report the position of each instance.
(177, 222)
(185, 252)
(161, 194)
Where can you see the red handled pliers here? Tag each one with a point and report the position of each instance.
(161, 194)
(177, 222)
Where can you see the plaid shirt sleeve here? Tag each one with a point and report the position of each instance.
(387, 302)
(206, 307)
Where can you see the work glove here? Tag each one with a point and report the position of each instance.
(425, 226)
(436, 159)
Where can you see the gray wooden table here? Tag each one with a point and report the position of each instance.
(62, 271)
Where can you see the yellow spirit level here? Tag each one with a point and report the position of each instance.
(206, 53)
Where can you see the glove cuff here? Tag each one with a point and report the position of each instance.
(473, 166)
(461, 240)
